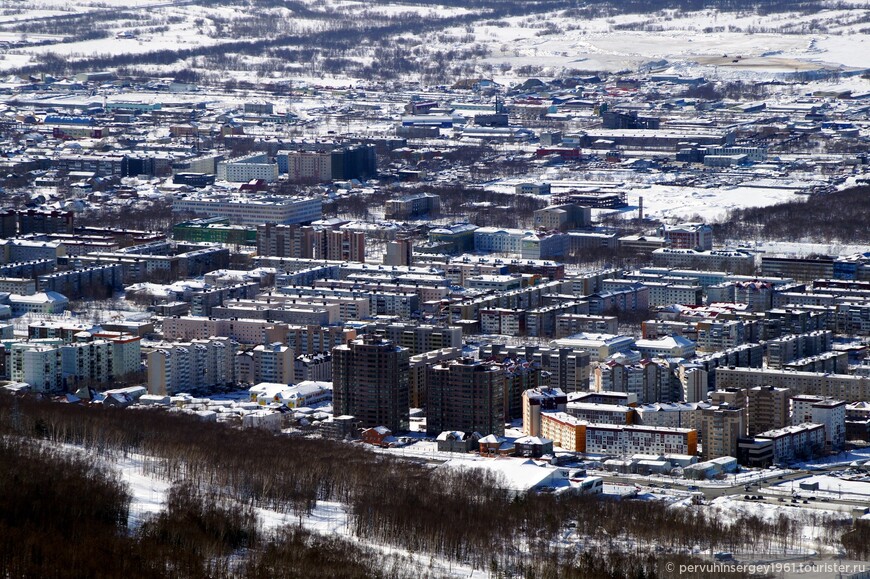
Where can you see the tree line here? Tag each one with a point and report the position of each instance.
(840, 216)
(63, 515)
(222, 473)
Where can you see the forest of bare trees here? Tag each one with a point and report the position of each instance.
(208, 528)
(840, 216)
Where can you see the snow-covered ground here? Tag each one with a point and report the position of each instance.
(740, 45)
(730, 509)
(846, 488)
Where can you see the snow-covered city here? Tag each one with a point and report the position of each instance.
(434, 289)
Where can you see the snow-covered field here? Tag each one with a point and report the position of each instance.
(709, 42)
(745, 44)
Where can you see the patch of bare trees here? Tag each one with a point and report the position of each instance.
(460, 515)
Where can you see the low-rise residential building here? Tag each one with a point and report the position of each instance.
(826, 411)
(620, 440)
(802, 441)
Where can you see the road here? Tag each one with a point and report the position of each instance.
(739, 489)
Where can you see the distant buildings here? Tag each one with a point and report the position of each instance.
(649, 380)
(792, 442)
(23, 222)
(56, 366)
(768, 408)
(412, 206)
(839, 386)
(729, 260)
(278, 240)
(697, 236)
(244, 169)
(39, 303)
(213, 230)
(830, 413)
(321, 162)
(538, 401)
(576, 435)
(253, 209)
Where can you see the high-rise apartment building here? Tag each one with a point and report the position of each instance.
(466, 395)
(191, 365)
(370, 382)
(768, 408)
(273, 363)
(538, 400)
(721, 426)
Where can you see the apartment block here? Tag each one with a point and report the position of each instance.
(570, 324)
(311, 339)
(244, 169)
(305, 166)
(370, 382)
(566, 431)
(316, 367)
(97, 281)
(826, 411)
(412, 206)
(620, 440)
(37, 364)
(650, 381)
(419, 338)
(802, 441)
(243, 331)
(789, 348)
(716, 335)
(768, 408)
(601, 413)
(671, 415)
(839, 386)
(273, 363)
(537, 401)
(721, 426)
(193, 365)
(569, 368)
(465, 395)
